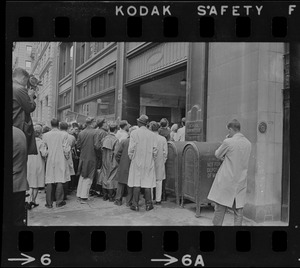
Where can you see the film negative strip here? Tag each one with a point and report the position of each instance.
(191, 66)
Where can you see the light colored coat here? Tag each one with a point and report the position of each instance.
(36, 165)
(59, 150)
(162, 155)
(122, 135)
(231, 180)
(181, 134)
(142, 151)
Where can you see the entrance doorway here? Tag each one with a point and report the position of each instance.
(164, 97)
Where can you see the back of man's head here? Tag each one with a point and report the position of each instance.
(63, 126)
(164, 122)
(235, 125)
(54, 122)
(20, 76)
(123, 124)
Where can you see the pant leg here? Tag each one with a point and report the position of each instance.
(136, 196)
(19, 213)
(66, 188)
(148, 200)
(219, 214)
(158, 191)
(164, 194)
(49, 194)
(79, 187)
(53, 191)
(59, 193)
(120, 191)
(129, 195)
(238, 215)
(85, 189)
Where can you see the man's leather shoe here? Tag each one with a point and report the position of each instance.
(149, 207)
(61, 204)
(118, 202)
(105, 197)
(135, 208)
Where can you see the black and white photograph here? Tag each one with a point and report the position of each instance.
(151, 134)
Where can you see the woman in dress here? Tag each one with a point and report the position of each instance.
(36, 167)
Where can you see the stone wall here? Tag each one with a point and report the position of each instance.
(245, 82)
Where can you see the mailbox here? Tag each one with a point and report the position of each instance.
(173, 168)
(199, 168)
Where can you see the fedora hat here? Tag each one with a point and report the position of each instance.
(143, 119)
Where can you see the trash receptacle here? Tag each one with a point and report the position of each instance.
(199, 168)
(173, 168)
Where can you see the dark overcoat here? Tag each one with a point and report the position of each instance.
(124, 161)
(88, 159)
(23, 105)
(20, 183)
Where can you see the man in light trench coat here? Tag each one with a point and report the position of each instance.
(229, 186)
(142, 152)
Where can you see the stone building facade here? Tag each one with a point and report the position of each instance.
(44, 67)
(22, 55)
(220, 81)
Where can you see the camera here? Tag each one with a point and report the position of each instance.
(33, 83)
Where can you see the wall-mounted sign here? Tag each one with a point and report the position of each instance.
(262, 127)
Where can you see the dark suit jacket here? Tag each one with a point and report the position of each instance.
(124, 162)
(22, 107)
(19, 161)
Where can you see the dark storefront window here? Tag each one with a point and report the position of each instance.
(106, 104)
(103, 105)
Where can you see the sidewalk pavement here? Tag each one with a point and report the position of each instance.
(97, 212)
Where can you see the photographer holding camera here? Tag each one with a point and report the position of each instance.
(24, 86)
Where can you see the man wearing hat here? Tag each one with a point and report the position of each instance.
(142, 151)
(88, 160)
(122, 133)
(109, 167)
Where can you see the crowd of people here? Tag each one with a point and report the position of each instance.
(109, 160)
(102, 159)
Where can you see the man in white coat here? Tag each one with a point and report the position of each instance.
(229, 186)
(159, 163)
(142, 152)
(57, 167)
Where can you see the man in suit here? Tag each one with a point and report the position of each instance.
(229, 186)
(20, 184)
(86, 143)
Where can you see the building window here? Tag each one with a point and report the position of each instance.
(106, 104)
(64, 99)
(101, 106)
(71, 58)
(97, 84)
(46, 101)
(28, 50)
(66, 59)
(27, 64)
